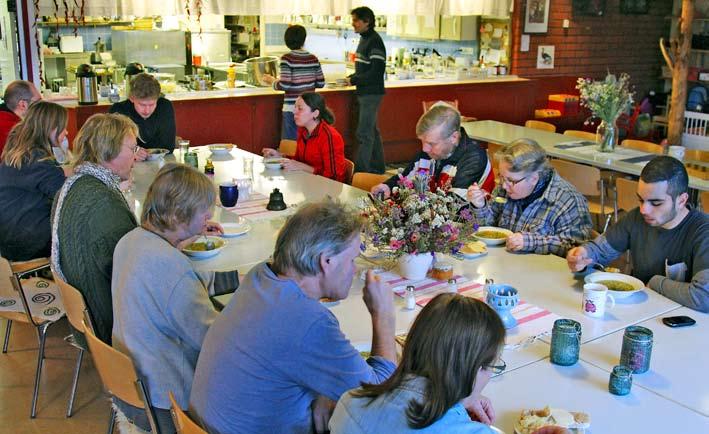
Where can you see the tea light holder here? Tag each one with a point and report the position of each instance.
(637, 349)
(503, 298)
(621, 380)
(565, 342)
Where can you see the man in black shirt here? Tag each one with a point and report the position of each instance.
(369, 79)
(152, 113)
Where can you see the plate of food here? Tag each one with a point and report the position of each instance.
(491, 235)
(531, 420)
(205, 248)
(619, 285)
(221, 148)
(235, 229)
(273, 163)
(473, 249)
(329, 302)
(156, 153)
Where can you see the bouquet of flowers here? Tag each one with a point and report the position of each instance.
(607, 99)
(415, 219)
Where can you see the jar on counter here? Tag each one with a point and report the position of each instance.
(442, 271)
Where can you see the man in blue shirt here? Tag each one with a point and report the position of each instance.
(276, 360)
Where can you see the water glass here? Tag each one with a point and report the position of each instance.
(565, 342)
(621, 380)
(637, 349)
(228, 194)
(244, 185)
(248, 167)
(184, 147)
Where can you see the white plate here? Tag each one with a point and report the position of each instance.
(235, 229)
(203, 254)
(602, 275)
(221, 148)
(471, 255)
(273, 166)
(328, 302)
(493, 241)
(156, 153)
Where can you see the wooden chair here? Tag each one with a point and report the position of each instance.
(365, 181)
(586, 135)
(697, 155)
(588, 181)
(540, 125)
(626, 191)
(428, 104)
(119, 377)
(183, 423)
(642, 145)
(15, 272)
(75, 308)
(349, 170)
(704, 199)
(492, 149)
(287, 147)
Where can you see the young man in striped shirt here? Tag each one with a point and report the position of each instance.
(300, 73)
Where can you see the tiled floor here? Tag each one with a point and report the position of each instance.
(17, 369)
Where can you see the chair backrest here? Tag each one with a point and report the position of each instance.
(349, 170)
(627, 193)
(428, 104)
(586, 135)
(287, 147)
(704, 199)
(11, 274)
(73, 303)
(586, 179)
(697, 155)
(642, 145)
(365, 181)
(183, 423)
(540, 125)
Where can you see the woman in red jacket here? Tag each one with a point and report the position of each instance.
(320, 149)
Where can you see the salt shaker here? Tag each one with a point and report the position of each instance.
(410, 298)
(452, 286)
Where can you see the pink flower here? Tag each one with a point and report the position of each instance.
(396, 244)
(415, 237)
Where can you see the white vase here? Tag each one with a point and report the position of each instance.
(415, 267)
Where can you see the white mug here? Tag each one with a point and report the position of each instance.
(594, 300)
(676, 151)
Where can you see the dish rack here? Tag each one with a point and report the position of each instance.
(696, 131)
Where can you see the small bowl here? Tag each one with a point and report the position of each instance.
(194, 249)
(156, 153)
(221, 148)
(492, 241)
(599, 276)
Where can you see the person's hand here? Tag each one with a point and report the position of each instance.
(349, 82)
(378, 298)
(577, 259)
(515, 242)
(551, 429)
(293, 165)
(480, 408)
(213, 228)
(476, 195)
(267, 79)
(322, 408)
(270, 152)
(381, 188)
(140, 154)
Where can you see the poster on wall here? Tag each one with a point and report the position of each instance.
(536, 17)
(545, 57)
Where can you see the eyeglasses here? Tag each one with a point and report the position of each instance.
(511, 182)
(497, 367)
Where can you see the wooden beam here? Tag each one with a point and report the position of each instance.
(679, 63)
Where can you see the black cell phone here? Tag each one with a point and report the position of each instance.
(678, 321)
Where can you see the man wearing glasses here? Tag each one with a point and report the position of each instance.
(18, 96)
(545, 213)
(448, 155)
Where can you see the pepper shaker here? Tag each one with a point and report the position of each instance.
(452, 286)
(410, 298)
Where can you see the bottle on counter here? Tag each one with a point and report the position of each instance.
(209, 167)
(410, 298)
(231, 76)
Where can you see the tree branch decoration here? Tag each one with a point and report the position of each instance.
(36, 40)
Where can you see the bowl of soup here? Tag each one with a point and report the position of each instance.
(619, 285)
(205, 248)
(491, 235)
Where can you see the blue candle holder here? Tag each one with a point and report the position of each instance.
(565, 342)
(621, 380)
(503, 298)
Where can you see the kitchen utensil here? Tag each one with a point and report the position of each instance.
(258, 66)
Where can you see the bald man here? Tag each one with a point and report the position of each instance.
(18, 96)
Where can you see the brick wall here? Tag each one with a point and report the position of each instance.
(593, 45)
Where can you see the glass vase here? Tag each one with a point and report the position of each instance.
(607, 136)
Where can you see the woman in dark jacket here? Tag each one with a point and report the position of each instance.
(29, 179)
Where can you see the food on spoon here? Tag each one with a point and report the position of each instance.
(617, 285)
(491, 234)
(531, 420)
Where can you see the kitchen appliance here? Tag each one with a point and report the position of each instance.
(258, 66)
(71, 44)
(86, 85)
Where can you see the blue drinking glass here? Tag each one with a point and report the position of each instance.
(228, 194)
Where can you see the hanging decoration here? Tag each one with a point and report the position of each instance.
(56, 14)
(36, 41)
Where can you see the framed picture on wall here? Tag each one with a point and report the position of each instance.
(589, 7)
(634, 7)
(536, 17)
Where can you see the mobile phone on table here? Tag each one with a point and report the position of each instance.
(678, 321)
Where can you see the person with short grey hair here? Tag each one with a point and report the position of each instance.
(276, 360)
(448, 155)
(545, 213)
(18, 96)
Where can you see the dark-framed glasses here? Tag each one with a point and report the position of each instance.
(511, 182)
(497, 367)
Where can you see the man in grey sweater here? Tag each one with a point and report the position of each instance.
(668, 242)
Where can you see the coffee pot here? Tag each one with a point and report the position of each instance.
(86, 85)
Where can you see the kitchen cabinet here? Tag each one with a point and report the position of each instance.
(414, 26)
(459, 28)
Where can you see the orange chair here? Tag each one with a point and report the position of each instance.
(540, 125)
(581, 135)
(287, 147)
(704, 199)
(642, 145)
(365, 181)
(626, 191)
(588, 181)
(428, 104)
(183, 423)
(349, 170)
(697, 155)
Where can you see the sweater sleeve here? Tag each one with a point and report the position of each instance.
(332, 150)
(189, 310)
(694, 294)
(330, 365)
(285, 80)
(319, 77)
(167, 128)
(49, 179)
(377, 57)
(470, 169)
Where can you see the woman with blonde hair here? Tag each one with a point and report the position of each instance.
(160, 302)
(90, 213)
(29, 178)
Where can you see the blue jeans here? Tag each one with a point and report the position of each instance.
(370, 154)
(289, 130)
(163, 418)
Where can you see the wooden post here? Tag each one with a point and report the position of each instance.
(678, 62)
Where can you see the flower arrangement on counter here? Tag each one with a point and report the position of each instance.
(416, 220)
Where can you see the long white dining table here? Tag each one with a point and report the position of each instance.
(502, 133)
(666, 399)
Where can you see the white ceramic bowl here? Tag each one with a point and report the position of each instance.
(203, 254)
(273, 166)
(597, 277)
(156, 153)
(221, 148)
(492, 241)
(235, 229)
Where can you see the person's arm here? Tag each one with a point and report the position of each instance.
(379, 300)
(319, 77)
(489, 214)
(332, 150)
(189, 310)
(167, 129)
(394, 180)
(694, 294)
(49, 179)
(377, 65)
(285, 80)
(470, 169)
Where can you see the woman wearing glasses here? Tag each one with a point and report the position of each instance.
(545, 213)
(431, 390)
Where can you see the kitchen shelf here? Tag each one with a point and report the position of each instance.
(88, 24)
